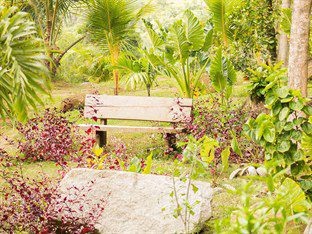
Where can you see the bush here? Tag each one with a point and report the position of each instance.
(53, 137)
(225, 124)
(284, 133)
(262, 77)
(253, 27)
(284, 209)
(33, 204)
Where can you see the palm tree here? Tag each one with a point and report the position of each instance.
(138, 72)
(22, 71)
(111, 23)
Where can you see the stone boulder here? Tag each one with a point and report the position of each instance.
(308, 229)
(138, 203)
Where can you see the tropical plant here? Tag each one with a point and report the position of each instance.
(281, 132)
(138, 72)
(220, 10)
(22, 72)
(222, 75)
(285, 204)
(263, 79)
(180, 51)
(111, 23)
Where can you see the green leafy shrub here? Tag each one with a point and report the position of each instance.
(283, 208)
(263, 79)
(281, 132)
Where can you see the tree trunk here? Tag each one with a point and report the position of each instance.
(57, 61)
(299, 46)
(283, 44)
(114, 57)
(116, 78)
(148, 88)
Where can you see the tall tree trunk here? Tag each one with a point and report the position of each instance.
(148, 88)
(299, 46)
(283, 44)
(57, 61)
(114, 57)
(116, 78)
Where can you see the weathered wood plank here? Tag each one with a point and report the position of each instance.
(162, 114)
(130, 128)
(135, 101)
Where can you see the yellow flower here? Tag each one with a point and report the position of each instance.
(97, 151)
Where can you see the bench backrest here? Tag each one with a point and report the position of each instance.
(138, 108)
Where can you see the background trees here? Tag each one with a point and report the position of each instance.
(49, 16)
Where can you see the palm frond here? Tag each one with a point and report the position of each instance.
(22, 72)
(111, 21)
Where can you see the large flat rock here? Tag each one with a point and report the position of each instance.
(308, 229)
(136, 202)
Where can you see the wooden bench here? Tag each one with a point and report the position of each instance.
(104, 107)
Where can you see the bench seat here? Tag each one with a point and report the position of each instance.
(114, 128)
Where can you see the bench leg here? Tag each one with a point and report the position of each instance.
(100, 136)
(171, 140)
